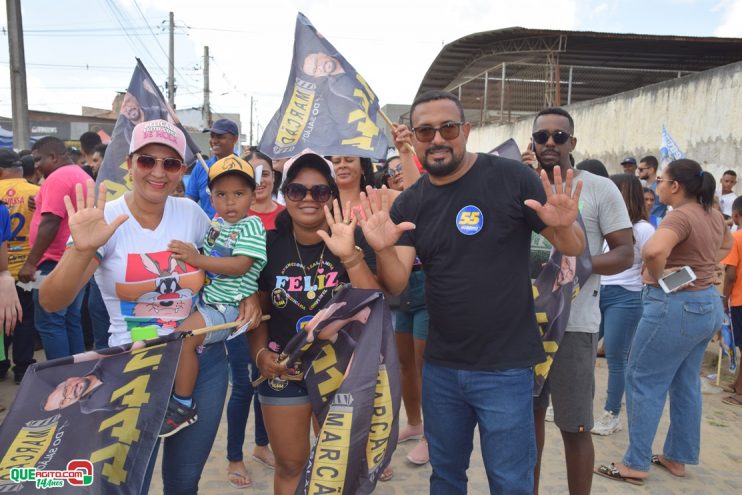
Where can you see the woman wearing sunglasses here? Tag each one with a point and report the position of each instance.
(314, 249)
(124, 243)
(393, 176)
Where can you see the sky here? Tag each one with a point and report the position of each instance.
(81, 52)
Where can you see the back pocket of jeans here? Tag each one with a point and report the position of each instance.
(696, 319)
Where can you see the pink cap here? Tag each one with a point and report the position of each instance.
(158, 132)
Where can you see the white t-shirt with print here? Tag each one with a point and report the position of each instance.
(631, 279)
(140, 281)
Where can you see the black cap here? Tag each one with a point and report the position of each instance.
(9, 158)
(629, 160)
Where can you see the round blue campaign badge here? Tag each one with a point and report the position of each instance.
(302, 321)
(470, 220)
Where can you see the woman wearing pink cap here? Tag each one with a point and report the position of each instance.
(124, 243)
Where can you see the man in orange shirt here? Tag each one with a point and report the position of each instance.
(733, 294)
(15, 192)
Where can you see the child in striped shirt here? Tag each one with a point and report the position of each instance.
(233, 256)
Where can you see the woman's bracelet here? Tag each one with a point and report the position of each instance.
(257, 354)
(354, 259)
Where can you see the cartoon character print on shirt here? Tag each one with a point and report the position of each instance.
(223, 249)
(292, 285)
(158, 290)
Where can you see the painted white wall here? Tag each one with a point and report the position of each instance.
(702, 112)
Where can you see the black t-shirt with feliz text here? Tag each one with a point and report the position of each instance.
(473, 237)
(289, 287)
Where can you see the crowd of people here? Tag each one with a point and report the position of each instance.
(446, 233)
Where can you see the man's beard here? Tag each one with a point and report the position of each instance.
(441, 168)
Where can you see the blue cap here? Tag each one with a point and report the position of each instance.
(224, 126)
(629, 160)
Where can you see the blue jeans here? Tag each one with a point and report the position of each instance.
(185, 453)
(244, 372)
(99, 319)
(620, 311)
(666, 357)
(61, 331)
(500, 403)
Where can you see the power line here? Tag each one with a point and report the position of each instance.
(183, 78)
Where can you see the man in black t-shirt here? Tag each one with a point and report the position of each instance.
(472, 217)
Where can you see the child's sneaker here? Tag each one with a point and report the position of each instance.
(608, 424)
(177, 417)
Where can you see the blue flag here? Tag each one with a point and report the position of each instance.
(669, 150)
(327, 105)
(727, 343)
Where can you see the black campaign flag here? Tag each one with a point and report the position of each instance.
(327, 105)
(558, 284)
(88, 423)
(351, 371)
(142, 102)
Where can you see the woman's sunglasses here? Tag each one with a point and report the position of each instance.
(392, 171)
(146, 163)
(559, 137)
(297, 192)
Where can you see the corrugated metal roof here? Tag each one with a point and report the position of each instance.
(468, 57)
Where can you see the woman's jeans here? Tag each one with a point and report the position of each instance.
(185, 453)
(244, 372)
(666, 356)
(620, 311)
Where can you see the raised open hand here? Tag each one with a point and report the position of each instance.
(378, 228)
(87, 224)
(562, 203)
(341, 241)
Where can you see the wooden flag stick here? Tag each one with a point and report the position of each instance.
(718, 365)
(214, 328)
(391, 126)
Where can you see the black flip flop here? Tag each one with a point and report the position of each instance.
(611, 472)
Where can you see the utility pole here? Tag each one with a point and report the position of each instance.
(171, 65)
(251, 105)
(18, 91)
(206, 110)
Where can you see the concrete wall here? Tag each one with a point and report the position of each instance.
(702, 112)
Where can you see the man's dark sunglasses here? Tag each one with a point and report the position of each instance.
(559, 137)
(297, 192)
(426, 133)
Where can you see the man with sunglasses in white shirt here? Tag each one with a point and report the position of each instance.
(571, 379)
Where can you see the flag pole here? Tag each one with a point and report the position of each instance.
(199, 156)
(718, 365)
(222, 326)
(391, 126)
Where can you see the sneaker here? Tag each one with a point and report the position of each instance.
(177, 417)
(410, 432)
(549, 414)
(419, 454)
(608, 424)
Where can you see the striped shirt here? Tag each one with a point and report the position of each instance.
(244, 238)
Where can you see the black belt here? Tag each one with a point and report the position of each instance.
(417, 268)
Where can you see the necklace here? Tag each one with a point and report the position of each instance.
(310, 293)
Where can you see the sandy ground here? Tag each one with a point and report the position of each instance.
(718, 472)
